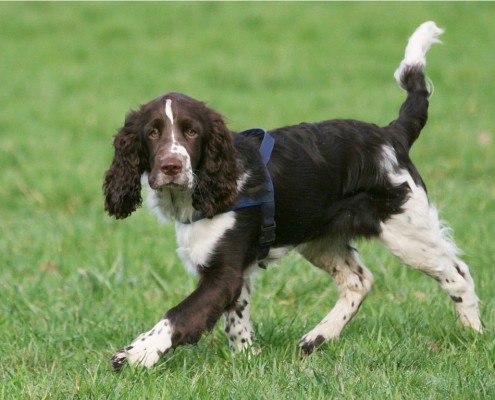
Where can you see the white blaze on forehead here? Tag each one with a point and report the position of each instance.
(170, 116)
(168, 110)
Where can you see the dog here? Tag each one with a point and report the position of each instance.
(242, 199)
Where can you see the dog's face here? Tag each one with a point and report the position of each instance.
(173, 130)
(181, 144)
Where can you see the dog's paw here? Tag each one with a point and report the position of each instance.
(247, 353)
(119, 359)
(146, 349)
(309, 342)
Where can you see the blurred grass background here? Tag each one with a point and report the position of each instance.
(75, 285)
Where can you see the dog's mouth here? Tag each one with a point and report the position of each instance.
(168, 184)
(174, 186)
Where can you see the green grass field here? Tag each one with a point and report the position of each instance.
(76, 285)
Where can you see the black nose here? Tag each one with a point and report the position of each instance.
(171, 166)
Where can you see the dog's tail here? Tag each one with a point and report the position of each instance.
(410, 76)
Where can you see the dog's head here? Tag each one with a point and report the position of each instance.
(182, 145)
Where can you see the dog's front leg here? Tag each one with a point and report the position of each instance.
(238, 326)
(218, 288)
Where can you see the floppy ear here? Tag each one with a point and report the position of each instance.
(122, 184)
(216, 188)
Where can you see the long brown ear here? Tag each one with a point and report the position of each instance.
(216, 190)
(122, 184)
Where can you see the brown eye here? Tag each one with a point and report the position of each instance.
(191, 133)
(153, 134)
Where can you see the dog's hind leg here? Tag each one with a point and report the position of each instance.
(418, 239)
(238, 320)
(353, 281)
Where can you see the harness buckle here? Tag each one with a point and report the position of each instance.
(267, 236)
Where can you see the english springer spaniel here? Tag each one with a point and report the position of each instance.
(332, 181)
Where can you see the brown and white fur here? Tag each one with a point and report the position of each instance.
(334, 181)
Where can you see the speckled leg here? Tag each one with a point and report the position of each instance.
(418, 239)
(353, 281)
(238, 320)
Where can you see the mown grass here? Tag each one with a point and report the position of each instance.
(75, 285)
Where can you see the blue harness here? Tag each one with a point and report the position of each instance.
(265, 199)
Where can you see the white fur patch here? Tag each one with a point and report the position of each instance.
(242, 181)
(417, 47)
(416, 235)
(184, 156)
(197, 241)
(170, 204)
(389, 159)
(277, 252)
(168, 111)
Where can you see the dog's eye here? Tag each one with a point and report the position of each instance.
(191, 133)
(153, 134)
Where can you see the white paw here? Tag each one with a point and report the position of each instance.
(472, 321)
(147, 348)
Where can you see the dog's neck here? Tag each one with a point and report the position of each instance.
(171, 204)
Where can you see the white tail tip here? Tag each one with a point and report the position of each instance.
(417, 47)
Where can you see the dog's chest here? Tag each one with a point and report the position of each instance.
(197, 241)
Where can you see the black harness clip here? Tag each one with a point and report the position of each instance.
(267, 236)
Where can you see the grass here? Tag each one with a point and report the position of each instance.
(75, 285)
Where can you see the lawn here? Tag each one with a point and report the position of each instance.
(75, 285)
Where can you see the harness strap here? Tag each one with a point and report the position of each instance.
(267, 198)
